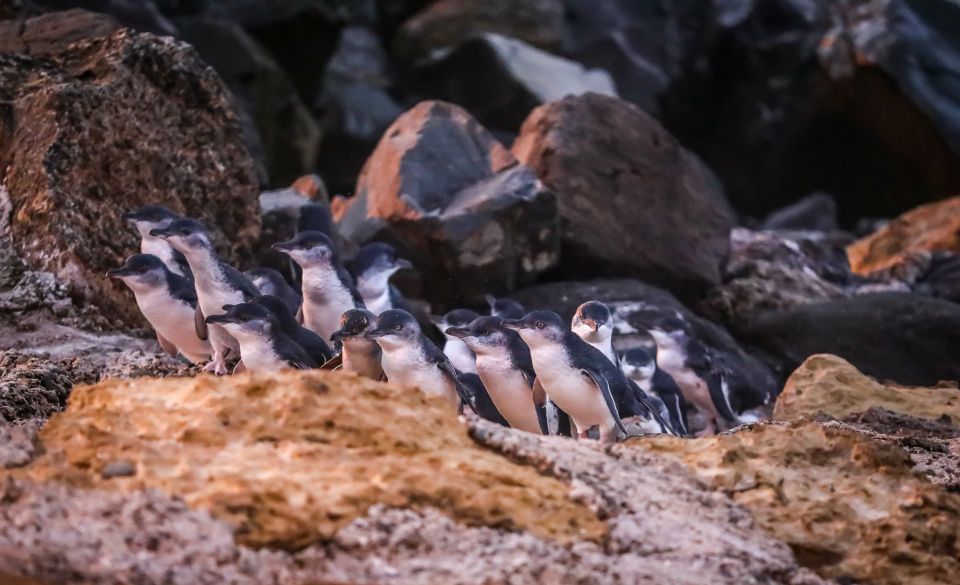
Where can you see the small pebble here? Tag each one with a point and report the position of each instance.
(118, 469)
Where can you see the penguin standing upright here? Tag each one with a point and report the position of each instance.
(152, 217)
(263, 345)
(460, 355)
(361, 354)
(372, 268)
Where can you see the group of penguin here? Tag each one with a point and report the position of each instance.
(531, 371)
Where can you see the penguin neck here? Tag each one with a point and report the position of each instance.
(460, 355)
(204, 262)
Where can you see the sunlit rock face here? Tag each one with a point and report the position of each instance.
(456, 203)
(102, 125)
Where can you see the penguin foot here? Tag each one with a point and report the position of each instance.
(709, 430)
(217, 367)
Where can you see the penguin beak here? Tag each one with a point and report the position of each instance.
(459, 332)
(338, 335)
(283, 246)
(159, 233)
(377, 333)
(119, 272)
(402, 263)
(225, 318)
(491, 300)
(515, 324)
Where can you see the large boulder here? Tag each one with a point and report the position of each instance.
(632, 201)
(500, 80)
(456, 203)
(66, 145)
(285, 130)
(446, 23)
(929, 228)
(637, 307)
(367, 483)
(851, 508)
(899, 337)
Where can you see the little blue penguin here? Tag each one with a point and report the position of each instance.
(168, 301)
(460, 355)
(505, 308)
(270, 282)
(152, 217)
(593, 323)
(372, 268)
(505, 368)
(328, 290)
(361, 355)
(411, 359)
(263, 346)
(581, 380)
(217, 284)
(311, 343)
(688, 362)
(640, 365)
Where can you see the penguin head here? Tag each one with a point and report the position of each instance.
(639, 363)
(377, 258)
(455, 318)
(281, 311)
(593, 322)
(141, 272)
(267, 280)
(394, 328)
(245, 320)
(150, 217)
(484, 335)
(354, 323)
(539, 328)
(309, 249)
(505, 308)
(185, 235)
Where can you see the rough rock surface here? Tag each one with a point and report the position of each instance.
(447, 22)
(31, 388)
(637, 307)
(905, 338)
(457, 205)
(500, 80)
(205, 439)
(68, 137)
(827, 384)
(59, 517)
(850, 507)
(18, 444)
(626, 197)
(933, 227)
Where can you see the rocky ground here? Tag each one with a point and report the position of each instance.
(780, 176)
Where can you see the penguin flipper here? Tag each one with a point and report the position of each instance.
(300, 314)
(200, 323)
(604, 388)
(166, 345)
(719, 395)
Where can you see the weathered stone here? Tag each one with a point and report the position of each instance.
(18, 444)
(354, 107)
(287, 133)
(31, 388)
(500, 80)
(52, 33)
(66, 146)
(446, 23)
(637, 307)
(338, 444)
(140, 15)
(851, 508)
(477, 222)
(632, 201)
(929, 228)
(815, 212)
(827, 384)
(905, 338)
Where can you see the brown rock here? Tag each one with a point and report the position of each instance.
(108, 124)
(456, 203)
(632, 201)
(850, 507)
(447, 22)
(827, 384)
(289, 460)
(928, 228)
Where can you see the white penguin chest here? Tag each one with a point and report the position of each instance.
(325, 299)
(509, 391)
(409, 367)
(573, 392)
(378, 302)
(362, 357)
(173, 320)
(460, 355)
(259, 356)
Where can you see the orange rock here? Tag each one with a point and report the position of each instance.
(925, 229)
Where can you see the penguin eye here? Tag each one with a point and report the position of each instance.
(363, 322)
(485, 332)
(398, 327)
(541, 324)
